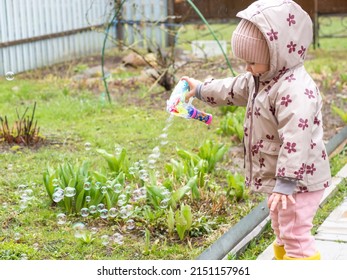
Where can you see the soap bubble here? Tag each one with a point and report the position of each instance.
(156, 152)
(55, 182)
(124, 212)
(92, 209)
(58, 195)
(94, 230)
(136, 195)
(105, 239)
(36, 246)
(112, 212)
(87, 186)
(28, 194)
(130, 224)
(84, 212)
(151, 163)
(23, 203)
(9, 76)
(104, 213)
(70, 192)
(143, 191)
(61, 218)
(164, 203)
(87, 146)
(88, 198)
(79, 229)
(22, 187)
(132, 170)
(128, 189)
(118, 238)
(143, 175)
(117, 150)
(17, 236)
(122, 199)
(166, 193)
(117, 188)
(103, 189)
(100, 207)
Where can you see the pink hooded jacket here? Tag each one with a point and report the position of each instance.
(283, 129)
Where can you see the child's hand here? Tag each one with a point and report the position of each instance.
(276, 197)
(193, 84)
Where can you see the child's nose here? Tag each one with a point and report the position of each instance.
(248, 67)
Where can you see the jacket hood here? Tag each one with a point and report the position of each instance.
(287, 29)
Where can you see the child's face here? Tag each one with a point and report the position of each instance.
(256, 69)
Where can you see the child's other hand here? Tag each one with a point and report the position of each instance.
(275, 198)
(193, 84)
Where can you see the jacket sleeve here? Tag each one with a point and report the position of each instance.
(297, 108)
(228, 91)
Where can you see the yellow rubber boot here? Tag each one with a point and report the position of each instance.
(279, 251)
(314, 257)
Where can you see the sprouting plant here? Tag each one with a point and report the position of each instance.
(343, 78)
(212, 153)
(24, 131)
(87, 237)
(147, 248)
(232, 124)
(170, 221)
(202, 225)
(236, 188)
(116, 163)
(183, 219)
(340, 112)
(74, 187)
(226, 109)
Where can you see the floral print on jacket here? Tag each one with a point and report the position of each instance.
(283, 123)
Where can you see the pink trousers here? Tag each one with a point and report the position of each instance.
(293, 225)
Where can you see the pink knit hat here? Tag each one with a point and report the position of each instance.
(249, 44)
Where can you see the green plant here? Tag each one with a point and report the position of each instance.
(225, 109)
(212, 153)
(80, 68)
(232, 124)
(75, 187)
(183, 219)
(236, 186)
(116, 163)
(340, 112)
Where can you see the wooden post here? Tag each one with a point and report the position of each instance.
(171, 21)
(315, 25)
(119, 25)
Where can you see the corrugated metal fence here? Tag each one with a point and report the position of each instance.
(144, 23)
(36, 33)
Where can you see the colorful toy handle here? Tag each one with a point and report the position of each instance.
(199, 115)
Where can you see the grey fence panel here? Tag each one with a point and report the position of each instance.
(144, 23)
(36, 33)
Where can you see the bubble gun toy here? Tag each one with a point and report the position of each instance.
(177, 105)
